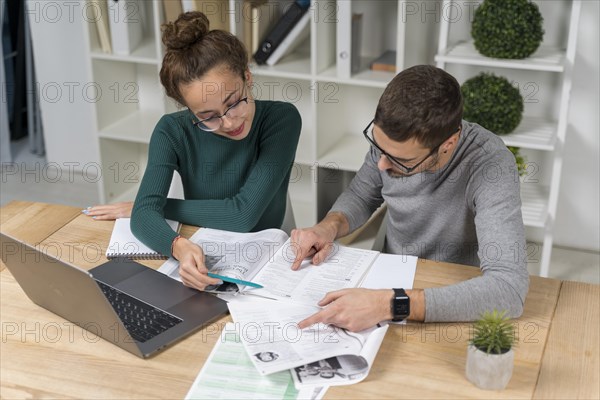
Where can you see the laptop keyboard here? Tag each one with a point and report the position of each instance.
(141, 320)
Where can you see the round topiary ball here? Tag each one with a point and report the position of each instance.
(507, 28)
(492, 102)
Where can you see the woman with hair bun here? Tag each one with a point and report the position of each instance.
(234, 154)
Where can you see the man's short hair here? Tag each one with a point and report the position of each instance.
(422, 102)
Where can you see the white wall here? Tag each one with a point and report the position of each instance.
(62, 75)
(578, 216)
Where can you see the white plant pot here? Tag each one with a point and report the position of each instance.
(489, 371)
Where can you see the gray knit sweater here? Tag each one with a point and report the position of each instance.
(469, 212)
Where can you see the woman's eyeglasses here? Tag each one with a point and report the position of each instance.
(239, 109)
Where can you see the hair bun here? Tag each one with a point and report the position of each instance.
(188, 29)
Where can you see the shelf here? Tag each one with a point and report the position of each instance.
(347, 154)
(546, 58)
(293, 66)
(533, 133)
(145, 53)
(137, 127)
(534, 198)
(366, 77)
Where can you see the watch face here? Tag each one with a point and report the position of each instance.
(400, 305)
(403, 309)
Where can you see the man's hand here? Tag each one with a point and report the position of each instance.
(110, 211)
(318, 240)
(192, 270)
(353, 309)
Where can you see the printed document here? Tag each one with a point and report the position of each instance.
(229, 374)
(269, 331)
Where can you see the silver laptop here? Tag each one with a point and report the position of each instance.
(122, 301)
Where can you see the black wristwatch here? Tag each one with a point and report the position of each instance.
(400, 305)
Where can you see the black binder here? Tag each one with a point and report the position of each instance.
(276, 35)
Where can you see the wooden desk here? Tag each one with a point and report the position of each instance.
(42, 355)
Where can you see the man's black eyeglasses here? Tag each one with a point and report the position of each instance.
(393, 159)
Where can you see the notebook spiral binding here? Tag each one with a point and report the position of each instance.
(138, 256)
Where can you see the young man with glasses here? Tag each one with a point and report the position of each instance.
(452, 192)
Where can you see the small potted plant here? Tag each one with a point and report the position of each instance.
(490, 356)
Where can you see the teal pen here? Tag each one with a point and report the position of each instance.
(233, 280)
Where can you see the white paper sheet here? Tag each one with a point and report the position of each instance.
(391, 271)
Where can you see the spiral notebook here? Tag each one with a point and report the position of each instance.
(124, 244)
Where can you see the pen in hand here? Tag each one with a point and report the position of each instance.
(234, 280)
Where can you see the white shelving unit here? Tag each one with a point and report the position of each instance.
(334, 109)
(542, 133)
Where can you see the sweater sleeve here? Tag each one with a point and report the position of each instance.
(503, 285)
(147, 218)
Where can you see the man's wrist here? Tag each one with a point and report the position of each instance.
(417, 304)
(336, 223)
(386, 299)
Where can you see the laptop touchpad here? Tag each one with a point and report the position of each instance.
(153, 289)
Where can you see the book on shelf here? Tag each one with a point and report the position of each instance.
(247, 27)
(263, 17)
(343, 41)
(126, 25)
(172, 8)
(217, 12)
(385, 62)
(297, 35)
(188, 5)
(258, 16)
(102, 24)
(123, 242)
(356, 42)
(290, 17)
(287, 296)
(348, 40)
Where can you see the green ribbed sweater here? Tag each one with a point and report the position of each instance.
(235, 185)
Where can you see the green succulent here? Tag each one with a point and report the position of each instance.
(507, 28)
(519, 159)
(492, 102)
(493, 333)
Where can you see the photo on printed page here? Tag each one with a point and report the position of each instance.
(266, 356)
(340, 370)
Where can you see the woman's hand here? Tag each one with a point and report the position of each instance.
(110, 211)
(192, 270)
